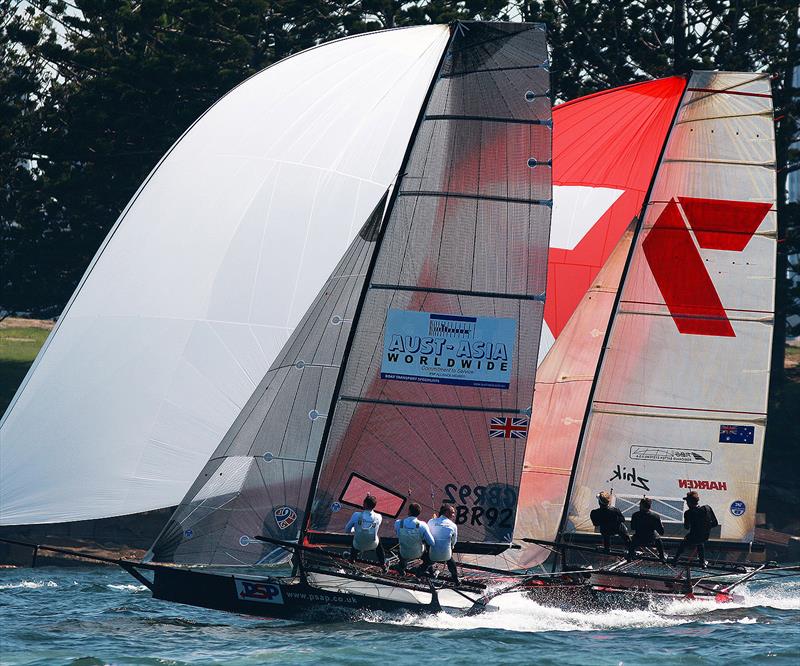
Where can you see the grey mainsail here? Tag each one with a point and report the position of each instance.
(257, 481)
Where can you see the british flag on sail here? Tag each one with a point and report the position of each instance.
(508, 428)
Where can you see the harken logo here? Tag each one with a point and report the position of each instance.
(691, 484)
(256, 590)
(285, 516)
(677, 266)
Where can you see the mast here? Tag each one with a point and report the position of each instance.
(610, 324)
(365, 288)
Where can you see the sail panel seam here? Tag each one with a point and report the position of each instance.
(490, 119)
(431, 405)
(466, 195)
(459, 292)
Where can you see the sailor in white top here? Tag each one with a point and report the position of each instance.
(412, 535)
(364, 525)
(445, 536)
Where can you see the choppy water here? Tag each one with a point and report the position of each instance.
(94, 616)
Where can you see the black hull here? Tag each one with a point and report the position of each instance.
(290, 598)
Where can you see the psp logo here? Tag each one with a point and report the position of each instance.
(256, 590)
(285, 516)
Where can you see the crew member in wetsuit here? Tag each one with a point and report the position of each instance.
(610, 521)
(412, 535)
(364, 526)
(647, 529)
(445, 535)
(699, 520)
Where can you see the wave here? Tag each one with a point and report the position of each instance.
(515, 612)
(28, 585)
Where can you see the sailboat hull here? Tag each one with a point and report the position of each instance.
(319, 597)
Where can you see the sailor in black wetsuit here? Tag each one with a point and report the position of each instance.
(647, 529)
(699, 520)
(609, 520)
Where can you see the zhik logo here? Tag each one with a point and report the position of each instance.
(678, 268)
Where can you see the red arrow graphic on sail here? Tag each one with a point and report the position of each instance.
(678, 268)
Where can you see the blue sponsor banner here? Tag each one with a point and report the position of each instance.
(737, 434)
(448, 349)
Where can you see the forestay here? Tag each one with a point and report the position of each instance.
(681, 398)
(435, 395)
(205, 275)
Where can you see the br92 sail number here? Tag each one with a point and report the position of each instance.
(489, 506)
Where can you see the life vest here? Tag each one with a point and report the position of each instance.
(365, 534)
(410, 538)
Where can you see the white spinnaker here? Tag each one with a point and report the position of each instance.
(204, 276)
(682, 380)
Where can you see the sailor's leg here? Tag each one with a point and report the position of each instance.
(623, 534)
(401, 565)
(679, 552)
(427, 565)
(379, 552)
(451, 567)
(606, 542)
(701, 554)
(353, 553)
(632, 548)
(659, 548)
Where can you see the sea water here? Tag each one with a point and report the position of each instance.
(99, 615)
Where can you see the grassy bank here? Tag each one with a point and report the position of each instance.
(20, 341)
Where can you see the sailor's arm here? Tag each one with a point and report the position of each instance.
(351, 524)
(427, 537)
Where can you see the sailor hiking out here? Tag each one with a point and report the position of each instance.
(445, 536)
(609, 520)
(364, 526)
(412, 536)
(699, 520)
(647, 529)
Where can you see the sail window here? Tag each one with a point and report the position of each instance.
(358, 487)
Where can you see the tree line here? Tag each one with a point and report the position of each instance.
(93, 92)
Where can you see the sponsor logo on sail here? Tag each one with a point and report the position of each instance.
(336, 507)
(678, 268)
(738, 508)
(691, 484)
(188, 534)
(733, 434)
(285, 516)
(256, 590)
(665, 454)
(508, 428)
(448, 349)
(622, 474)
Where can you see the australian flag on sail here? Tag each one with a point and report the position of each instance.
(734, 434)
(508, 428)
